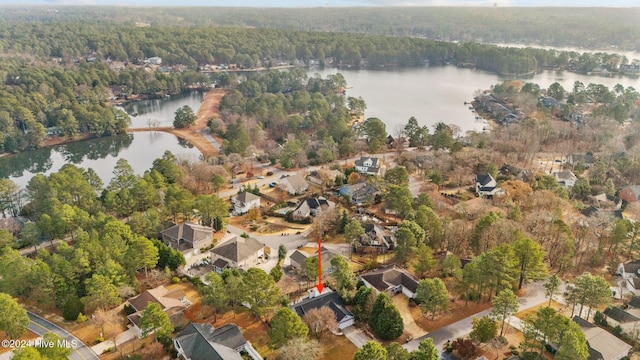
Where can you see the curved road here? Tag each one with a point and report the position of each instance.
(80, 351)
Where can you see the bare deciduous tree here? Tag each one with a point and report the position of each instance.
(321, 320)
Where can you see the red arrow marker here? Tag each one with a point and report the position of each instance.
(320, 286)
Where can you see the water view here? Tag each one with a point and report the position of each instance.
(140, 149)
(160, 112)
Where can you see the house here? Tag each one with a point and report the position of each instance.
(300, 256)
(587, 160)
(244, 202)
(204, 342)
(238, 252)
(172, 302)
(602, 344)
(311, 207)
(156, 60)
(330, 299)
(324, 177)
(368, 165)
(294, 184)
(550, 102)
(629, 270)
(367, 194)
(188, 237)
(565, 178)
(391, 279)
(376, 238)
(630, 193)
(486, 186)
(616, 316)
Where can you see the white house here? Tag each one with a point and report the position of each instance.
(244, 202)
(630, 273)
(368, 165)
(156, 60)
(486, 186)
(565, 178)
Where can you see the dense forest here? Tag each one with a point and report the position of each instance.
(596, 28)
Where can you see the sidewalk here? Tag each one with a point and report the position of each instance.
(121, 338)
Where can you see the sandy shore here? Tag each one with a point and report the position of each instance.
(208, 109)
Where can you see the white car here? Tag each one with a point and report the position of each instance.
(260, 177)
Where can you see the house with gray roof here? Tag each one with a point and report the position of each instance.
(294, 184)
(391, 279)
(300, 256)
(566, 178)
(586, 159)
(365, 195)
(311, 207)
(238, 252)
(188, 237)
(330, 299)
(204, 342)
(376, 238)
(368, 165)
(244, 202)
(602, 345)
(618, 316)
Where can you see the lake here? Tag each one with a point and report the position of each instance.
(139, 148)
(160, 112)
(437, 93)
(431, 94)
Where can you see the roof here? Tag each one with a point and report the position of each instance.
(329, 299)
(188, 231)
(603, 343)
(632, 267)
(635, 301)
(635, 189)
(220, 263)
(246, 197)
(635, 282)
(297, 182)
(299, 257)
(160, 295)
(483, 179)
(238, 249)
(564, 175)
(202, 341)
(363, 159)
(390, 277)
(619, 315)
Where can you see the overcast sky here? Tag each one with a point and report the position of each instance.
(315, 3)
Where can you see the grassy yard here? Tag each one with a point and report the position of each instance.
(457, 311)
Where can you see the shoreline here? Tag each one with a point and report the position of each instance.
(208, 109)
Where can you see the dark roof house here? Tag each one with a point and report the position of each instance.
(203, 342)
(238, 253)
(332, 300)
(187, 236)
(392, 279)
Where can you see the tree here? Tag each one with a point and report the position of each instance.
(451, 266)
(352, 232)
(572, 345)
(371, 351)
(376, 132)
(551, 287)
(101, 293)
(107, 321)
(259, 291)
(345, 279)
(285, 325)
(405, 244)
(385, 319)
(397, 176)
(426, 351)
(504, 306)
(398, 198)
(27, 353)
(363, 303)
(218, 181)
(530, 260)
(424, 259)
(57, 351)
(395, 351)
(215, 294)
(300, 349)
(155, 320)
(484, 329)
(184, 117)
(591, 291)
(432, 295)
(320, 320)
(13, 317)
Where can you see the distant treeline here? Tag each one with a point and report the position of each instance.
(596, 28)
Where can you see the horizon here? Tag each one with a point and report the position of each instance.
(301, 4)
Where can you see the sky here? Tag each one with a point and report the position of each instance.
(332, 3)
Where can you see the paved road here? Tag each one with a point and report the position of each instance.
(80, 351)
(534, 296)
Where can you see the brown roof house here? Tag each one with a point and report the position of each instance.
(204, 342)
(630, 193)
(188, 237)
(391, 279)
(236, 253)
(294, 184)
(173, 302)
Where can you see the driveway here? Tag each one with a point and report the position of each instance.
(79, 351)
(402, 304)
(121, 338)
(356, 336)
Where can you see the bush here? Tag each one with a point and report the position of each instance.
(175, 280)
(617, 331)
(276, 273)
(81, 318)
(196, 282)
(599, 319)
(99, 340)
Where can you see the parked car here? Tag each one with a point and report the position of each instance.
(273, 184)
(260, 177)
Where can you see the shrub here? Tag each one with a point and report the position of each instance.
(99, 340)
(175, 280)
(72, 308)
(276, 273)
(81, 318)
